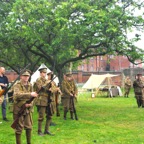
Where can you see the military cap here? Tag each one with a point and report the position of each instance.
(29, 71)
(139, 74)
(26, 73)
(68, 74)
(43, 68)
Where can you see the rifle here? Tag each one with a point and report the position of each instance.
(6, 89)
(56, 100)
(49, 98)
(74, 109)
(23, 107)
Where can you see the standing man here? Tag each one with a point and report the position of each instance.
(138, 86)
(23, 92)
(3, 83)
(44, 101)
(127, 86)
(69, 90)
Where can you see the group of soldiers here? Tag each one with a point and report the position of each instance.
(45, 93)
(138, 86)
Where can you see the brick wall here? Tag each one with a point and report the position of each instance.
(11, 75)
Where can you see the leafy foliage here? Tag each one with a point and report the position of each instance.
(64, 32)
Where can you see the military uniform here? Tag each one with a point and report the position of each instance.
(45, 103)
(127, 86)
(22, 93)
(68, 88)
(138, 86)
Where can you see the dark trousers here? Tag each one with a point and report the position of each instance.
(4, 103)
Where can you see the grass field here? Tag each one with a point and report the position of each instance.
(102, 120)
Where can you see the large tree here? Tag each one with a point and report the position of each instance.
(63, 32)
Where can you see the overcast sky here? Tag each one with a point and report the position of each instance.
(137, 12)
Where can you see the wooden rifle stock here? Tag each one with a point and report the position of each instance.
(20, 113)
(23, 107)
(74, 109)
(3, 91)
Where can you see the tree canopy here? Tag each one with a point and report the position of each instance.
(62, 32)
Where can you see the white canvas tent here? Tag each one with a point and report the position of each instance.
(37, 74)
(95, 81)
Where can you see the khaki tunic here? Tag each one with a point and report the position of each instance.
(67, 88)
(21, 95)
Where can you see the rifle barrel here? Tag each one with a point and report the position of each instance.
(75, 114)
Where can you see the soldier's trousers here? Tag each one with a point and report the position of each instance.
(42, 112)
(127, 90)
(67, 104)
(4, 103)
(25, 121)
(140, 100)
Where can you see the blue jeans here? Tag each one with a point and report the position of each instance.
(4, 103)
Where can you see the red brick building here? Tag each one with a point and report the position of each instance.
(96, 65)
(11, 75)
(107, 63)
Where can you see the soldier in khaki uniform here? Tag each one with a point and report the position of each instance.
(138, 86)
(127, 86)
(23, 91)
(69, 90)
(44, 101)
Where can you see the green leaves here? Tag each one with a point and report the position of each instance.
(61, 32)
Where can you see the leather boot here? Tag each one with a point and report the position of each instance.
(138, 103)
(65, 113)
(71, 114)
(48, 121)
(40, 128)
(28, 136)
(142, 103)
(58, 113)
(18, 138)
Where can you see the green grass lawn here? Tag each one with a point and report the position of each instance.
(102, 120)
